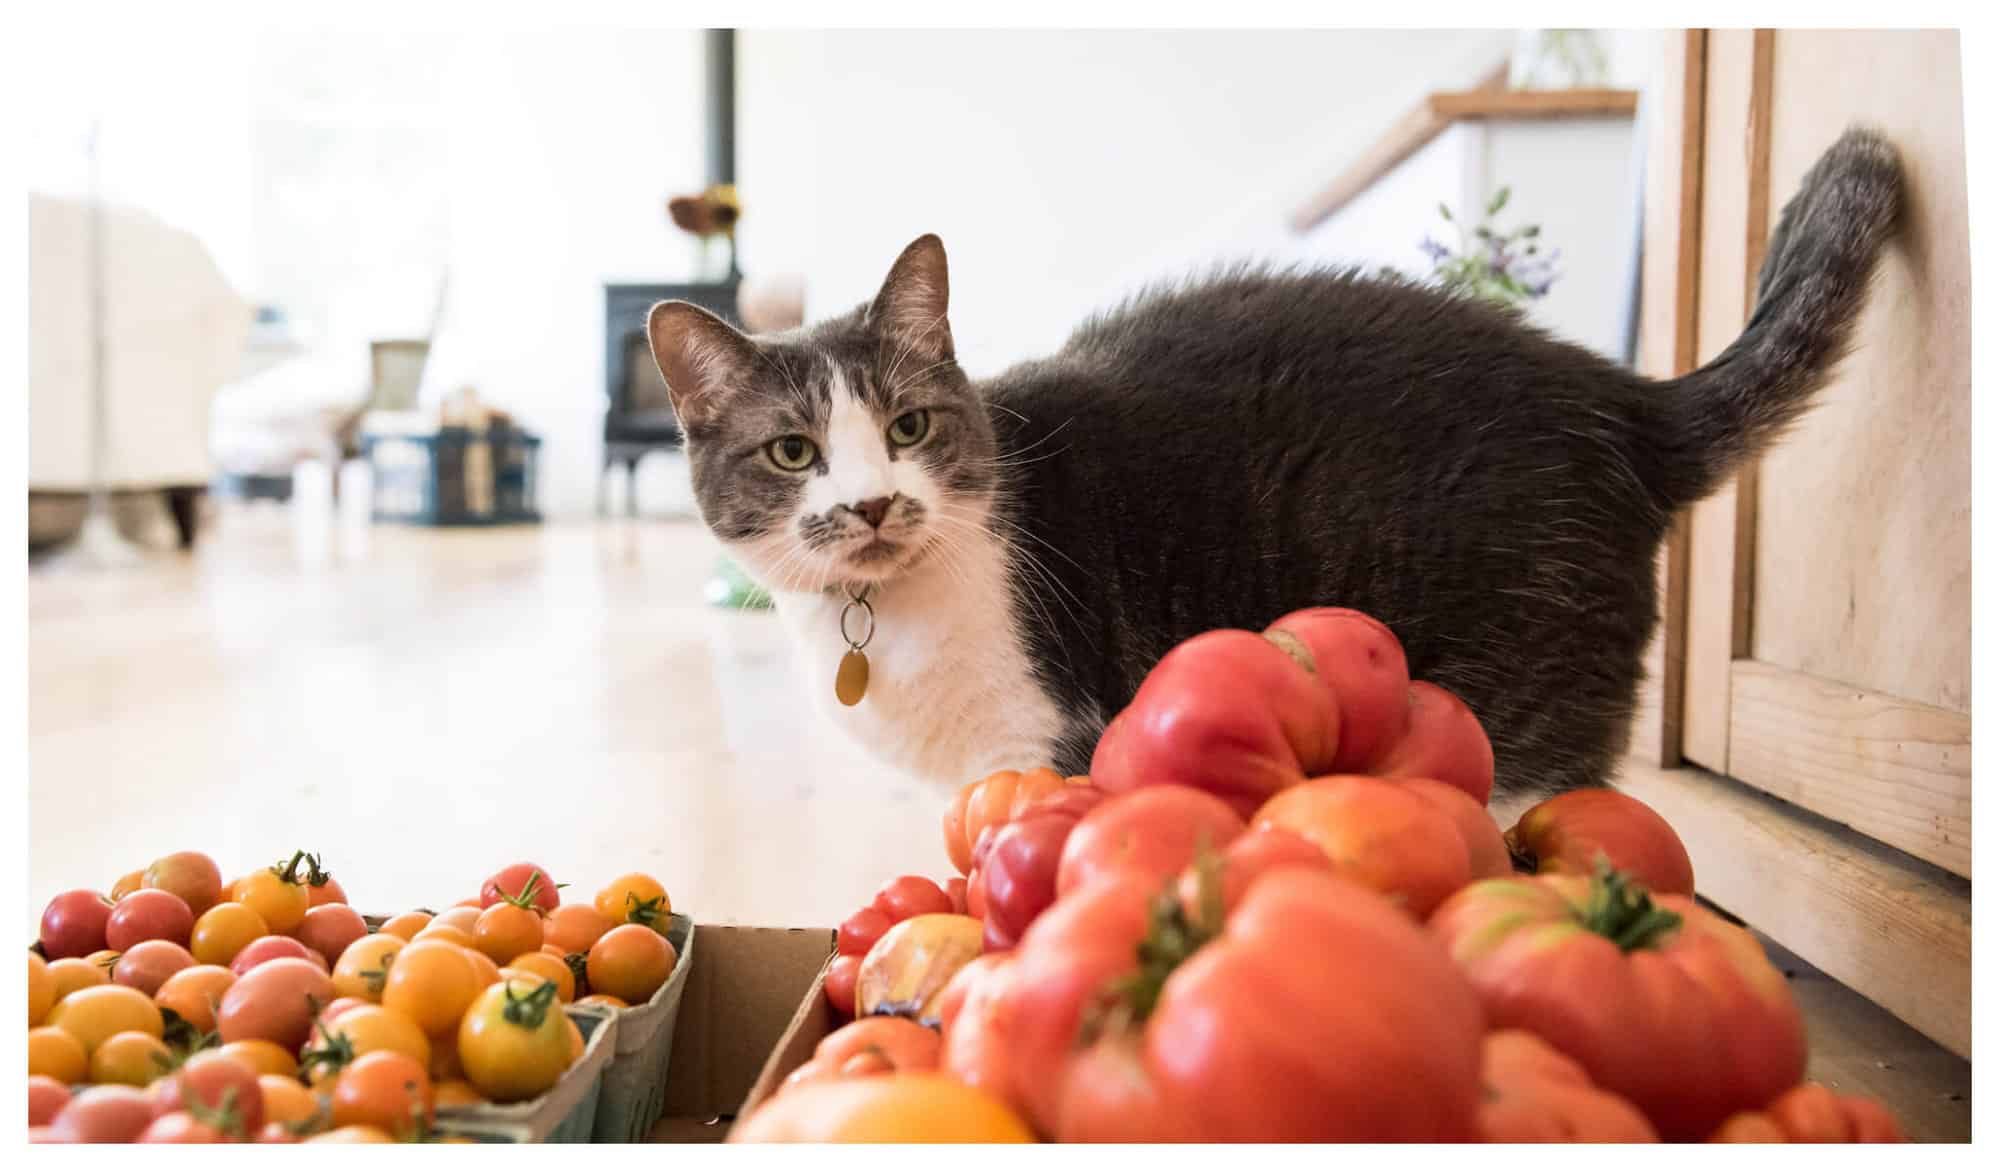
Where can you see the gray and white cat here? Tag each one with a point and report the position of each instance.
(1220, 453)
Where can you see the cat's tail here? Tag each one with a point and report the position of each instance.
(1810, 290)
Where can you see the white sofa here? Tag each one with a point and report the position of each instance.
(174, 332)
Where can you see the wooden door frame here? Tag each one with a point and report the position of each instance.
(1773, 842)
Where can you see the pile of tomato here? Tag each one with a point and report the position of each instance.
(180, 1009)
(1278, 909)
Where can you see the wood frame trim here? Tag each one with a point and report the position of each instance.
(1669, 293)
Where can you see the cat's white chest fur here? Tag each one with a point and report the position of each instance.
(951, 693)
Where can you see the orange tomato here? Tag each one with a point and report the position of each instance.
(456, 1092)
(994, 801)
(130, 1057)
(105, 959)
(41, 990)
(127, 883)
(431, 983)
(451, 933)
(507, 930)
(387, 1090)
(58, 1055)
(635, 899)
(363, 968)
(488, 971)
(575, 1033)
(262, 1056)
(574, 927)
(194, 993)
(406, 925)
(629, 964)
(606, 1000)
(891, 1108)
(513, 1040)
(225, 930)
(72, 973)
(545, 967)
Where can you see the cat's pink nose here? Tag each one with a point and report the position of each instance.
(872, 511)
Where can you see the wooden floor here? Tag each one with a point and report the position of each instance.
(449, 701)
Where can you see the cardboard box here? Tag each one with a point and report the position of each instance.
(753, 997)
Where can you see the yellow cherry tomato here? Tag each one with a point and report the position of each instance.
(630, 962)
(277, 894)
(464, 918)
(195, 993)
(456, 1092)
(604, 1000)
(432, 983)
(72, 973)
(406, 925)
(224, 930)
(359, 1133)
(41, 990)
(57, 1054)
(635, 899)
(451, 933)
(264, 1057)
(130, 1057)
(513, 1041)
(359, 1031)
(363, 969)
(286, 1100)
(574, 927)
(483, 964)
(93, 1015)
(128, 883)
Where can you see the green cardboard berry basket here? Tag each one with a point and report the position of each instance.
(567, 1114)
(635, 1083)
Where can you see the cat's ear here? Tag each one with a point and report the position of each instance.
(701, 357)
(909, 313)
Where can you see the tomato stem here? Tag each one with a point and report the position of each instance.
(316, 873)
(1621, 910)
(530, 1011)
(646, 911)
(289, 871)
(1172, 936)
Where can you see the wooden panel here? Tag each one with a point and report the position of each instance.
(1863, 560)
(1893, 929)
(1722, 308)
(1896, 770)
(1668, 284)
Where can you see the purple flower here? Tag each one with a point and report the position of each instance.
(1437, 252)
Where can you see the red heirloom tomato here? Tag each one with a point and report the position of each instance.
(1312, 1010)
(1811, 1114)
(1014, 869)
(1569, 834)
(1444, 742)
(1536, 1094)
(1156, 831)
(860, 931)
(148, 914)
(1660, 1000)
(520, 881)
(994, 801)
(1229, 712)
(911, 895)
(1363, 662)
(1405, 842)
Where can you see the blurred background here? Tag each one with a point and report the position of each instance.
(356, 507)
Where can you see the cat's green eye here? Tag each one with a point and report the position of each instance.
(793, 453)
(910, 427)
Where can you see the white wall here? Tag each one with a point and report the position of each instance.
(1061, 168)
(564, 149)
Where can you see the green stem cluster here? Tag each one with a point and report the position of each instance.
(1622, 911)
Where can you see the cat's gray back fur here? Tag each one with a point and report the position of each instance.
(1221, 453)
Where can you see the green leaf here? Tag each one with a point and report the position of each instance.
(1444, 211)
(1499, 201)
